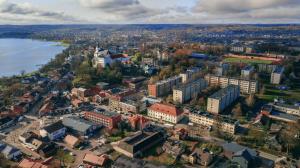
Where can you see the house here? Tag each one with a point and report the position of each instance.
(138, 122)
(79, 126)
(243, 156)
(48, 150)
(53, 131)
(174, 148)
(6, 122)
(94, 160)
(202, 157)
(72, 141)
(9, 152)
(27, 163)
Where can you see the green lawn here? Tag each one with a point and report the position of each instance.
(271, 93)
(248, 61)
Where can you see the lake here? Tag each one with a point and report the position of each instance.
(17, 55)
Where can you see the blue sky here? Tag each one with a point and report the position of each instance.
(148, 11)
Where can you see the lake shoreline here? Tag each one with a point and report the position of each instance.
(27, 55)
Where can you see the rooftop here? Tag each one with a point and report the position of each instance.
(166, 108)
(278, 70)
(77, 123)
(210, 115)
(54, 127)
(106, 113)
(223, 92)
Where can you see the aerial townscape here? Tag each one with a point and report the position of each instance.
(148, 95)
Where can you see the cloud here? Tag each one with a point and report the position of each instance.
(27, 12)
(110, 4)
(250, 11)
(122, 10)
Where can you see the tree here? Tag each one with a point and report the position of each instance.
(250, 101)
(237, 110)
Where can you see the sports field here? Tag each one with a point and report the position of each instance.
(247, 61)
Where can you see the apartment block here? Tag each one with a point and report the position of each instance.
(165, 112)
(266, 68)
(186, 92)
(246, 86)
(247, 72)
(225, 124)
(126, 106)
(105, 118)
(217, 102)
(163, 87)
(277, 75)
(190, 74)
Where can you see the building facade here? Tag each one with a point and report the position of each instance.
(217, 102)
(186, 92)
(277, 75)
(164, 112)
(163, 87)
(247, 72)
(246, 86)
(225, 124)
(190, 74)
(105, 118)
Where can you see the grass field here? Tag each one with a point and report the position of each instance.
(271, 93)
(247, 61)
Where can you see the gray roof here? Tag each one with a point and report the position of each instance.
(236, 148)
(8, 150)
(77, 124)
(244, 153)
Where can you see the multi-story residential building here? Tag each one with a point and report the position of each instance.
(105, 118)
(163, 87)
(190, 74)
(126, 106)
(237, 49)
(267, 68)
(246, 86)
(223, 123)
(222, 69)
(186, 92)
(247, 72)
(277, 75)
(217, 102)
(164, 112)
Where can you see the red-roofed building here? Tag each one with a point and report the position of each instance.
(165, 112)
(94, 160)
(138, 122)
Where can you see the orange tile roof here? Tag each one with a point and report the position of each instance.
(95, 160)
(167, 109)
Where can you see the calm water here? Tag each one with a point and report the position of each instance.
(25, 54)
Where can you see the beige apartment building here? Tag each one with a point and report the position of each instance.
(190, 74)
(225, 124)
(126, 106)
(246, 86)
(188, 91)
(163, 87)
(277, 75)
(217, 102)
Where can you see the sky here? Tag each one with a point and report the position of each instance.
(149, 11)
